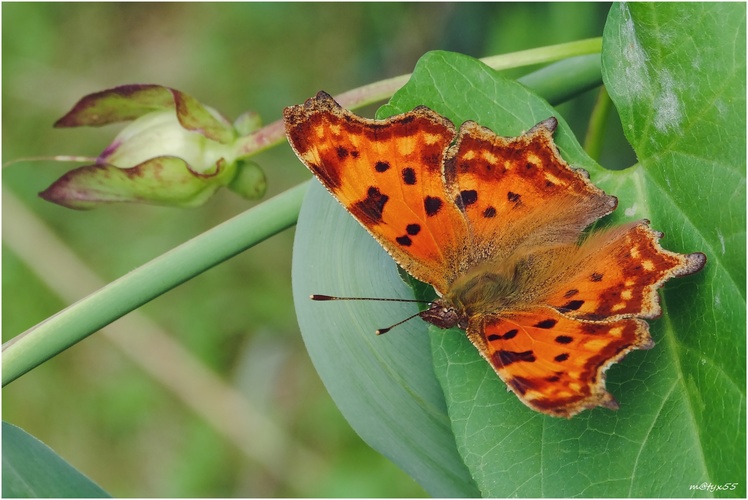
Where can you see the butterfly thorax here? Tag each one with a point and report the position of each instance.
(481, 291)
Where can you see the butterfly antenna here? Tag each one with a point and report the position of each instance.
(332, 297)
(385, 330)
(381, 330)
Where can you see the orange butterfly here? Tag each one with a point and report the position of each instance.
(495, 225)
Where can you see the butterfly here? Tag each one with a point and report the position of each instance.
(497, 226)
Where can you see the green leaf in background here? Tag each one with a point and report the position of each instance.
(676, 73)
(32, 469)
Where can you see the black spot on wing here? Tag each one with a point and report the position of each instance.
(467, 198)
(381, 166)
(573, 305)
(510, 334)
(546, 324)
(409, 176)
(404, 241)
(432, 205)
(370, 208)
(506, 358)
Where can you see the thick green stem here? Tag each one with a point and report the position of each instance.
(565, 79)
(273, 134)
(379, 91)
(134, 289)
(593, 141)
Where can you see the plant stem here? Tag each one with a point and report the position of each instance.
(274, 133)
(134, 289)
(565, 79)
(593, 141)
(379, 91)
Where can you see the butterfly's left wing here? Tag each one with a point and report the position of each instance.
(388, 175)
(554, 364)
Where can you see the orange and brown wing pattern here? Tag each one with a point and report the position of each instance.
(617, 274)
(388, 175)
(554, 364)
(494, 224)
(519, 191)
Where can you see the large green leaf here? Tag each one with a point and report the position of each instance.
(510, 450)
(676, 73)
(32, 469)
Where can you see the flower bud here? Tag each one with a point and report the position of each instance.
(175, 152)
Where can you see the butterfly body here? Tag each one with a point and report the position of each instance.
(496, 226)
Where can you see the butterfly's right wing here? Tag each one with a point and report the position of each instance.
(586, 315)
(616, 273)
(519, 192)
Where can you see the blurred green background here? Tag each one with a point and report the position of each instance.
(139, 434)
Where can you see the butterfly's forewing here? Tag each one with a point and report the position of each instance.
(388, 175)
(518, 191)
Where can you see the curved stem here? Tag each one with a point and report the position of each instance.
(147, 282)
(593, 140)
(274, 133)
(565, 79)
(379, 91)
